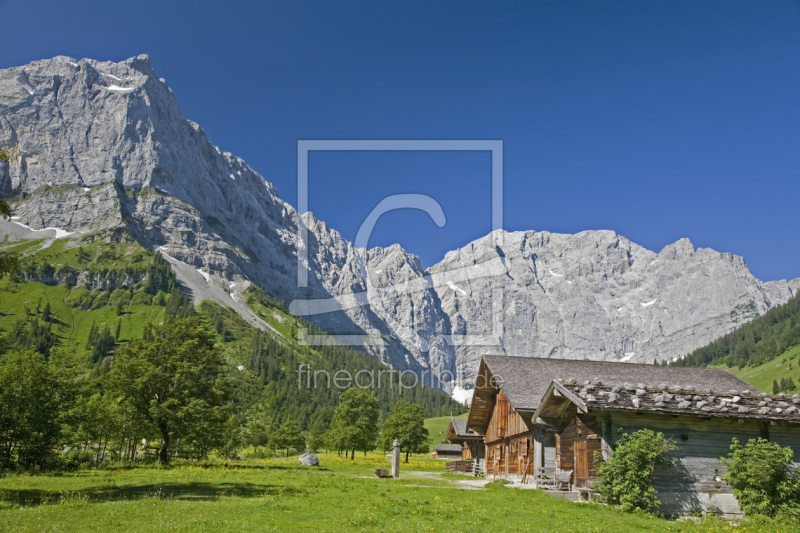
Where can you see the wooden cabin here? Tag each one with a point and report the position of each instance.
(543, 420)
(472, 448)
(470, 441)
(447, 451)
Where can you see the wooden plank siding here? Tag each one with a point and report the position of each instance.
(582, 431)
(505, 422)
(458, 466)
(695, 481)
(510, 458)
(466, 453)
(787, 435)
(509, 441)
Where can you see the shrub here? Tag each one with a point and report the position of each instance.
(626, 478)
(763, 478)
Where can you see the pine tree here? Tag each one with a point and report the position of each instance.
(46, 312)
(775, 387)
(90, 342)
(33, 333)
(119, 327)
(105, 343)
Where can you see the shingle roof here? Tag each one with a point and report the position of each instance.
(526, 379)
(672, 400)
(458, 432)
(448, 448)
(460, 426)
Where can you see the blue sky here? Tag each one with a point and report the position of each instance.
(658, 120)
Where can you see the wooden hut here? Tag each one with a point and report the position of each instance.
(470, 441)
(447, 451)
(543, 420)
(472, 447)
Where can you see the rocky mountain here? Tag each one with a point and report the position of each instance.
(101, 145)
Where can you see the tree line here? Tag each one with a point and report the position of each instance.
(181, 386)
(173, 386)
(203, 380)
(761, 340)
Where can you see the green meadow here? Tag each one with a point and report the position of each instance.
(437, 427)
(282, 495)
(784, 366)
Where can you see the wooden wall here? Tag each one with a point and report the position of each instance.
(511, 458)
(509, 441)
(505, 422)
(466, 453)
(695, 481)
(582, 430)
(787, 435)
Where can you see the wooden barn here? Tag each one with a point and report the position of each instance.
(543, 419)
(472, 448)
(446, 451)
(470, 441)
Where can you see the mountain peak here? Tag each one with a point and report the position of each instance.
(102, 145)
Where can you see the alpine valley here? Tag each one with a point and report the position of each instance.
(102, 153)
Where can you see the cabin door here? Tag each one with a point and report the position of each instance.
(581, 464)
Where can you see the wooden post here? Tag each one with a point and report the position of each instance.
(506, 450)
(396, 459)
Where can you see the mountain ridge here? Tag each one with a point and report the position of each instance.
(101, 145)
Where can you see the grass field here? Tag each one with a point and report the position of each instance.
(282, 495)
(783, 366)
(71, 319)
(71, 324)
(437, 427)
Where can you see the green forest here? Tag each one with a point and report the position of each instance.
(75, 308)
(757, 350)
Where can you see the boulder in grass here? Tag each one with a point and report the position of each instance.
(309, 459)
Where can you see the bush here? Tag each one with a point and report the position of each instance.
(73, 460)
(626, 478)
(763, 478)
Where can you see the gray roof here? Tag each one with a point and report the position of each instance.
(448, 448)
(526, 379)
(672, 400)
(460, 426)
